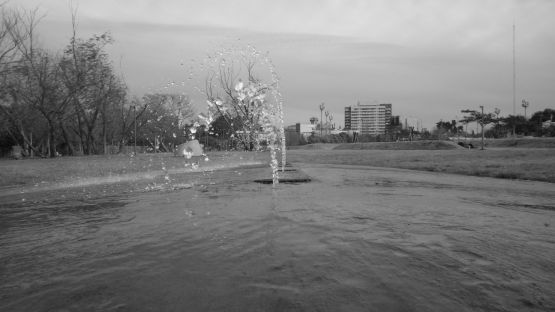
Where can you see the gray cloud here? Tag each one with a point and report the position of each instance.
(429, 58)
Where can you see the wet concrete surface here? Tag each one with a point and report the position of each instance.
(352, 239)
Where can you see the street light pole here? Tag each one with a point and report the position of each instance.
(525, 104)
(322, 107)
(482, 124)
(327, 113)
(135, 131)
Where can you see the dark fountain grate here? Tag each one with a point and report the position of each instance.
(288, 175)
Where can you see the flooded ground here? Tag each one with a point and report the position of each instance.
(353, 239)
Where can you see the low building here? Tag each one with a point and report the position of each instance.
(411, 123)
(305, 130)
(298, 133)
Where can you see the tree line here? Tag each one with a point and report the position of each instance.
(502, 126)
(72, 101)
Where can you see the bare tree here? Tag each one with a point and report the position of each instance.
(128, 113)
(236, 95)
(19, 67)
(40, 88)
(8, 46)
(75, 93)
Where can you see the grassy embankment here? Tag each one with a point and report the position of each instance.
(68, 170)
(532, 159)
(530, 162)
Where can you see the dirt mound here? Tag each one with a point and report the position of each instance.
(414, 145)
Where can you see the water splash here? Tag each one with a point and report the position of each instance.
(248, 99)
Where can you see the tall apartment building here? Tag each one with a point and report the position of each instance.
(368, 118)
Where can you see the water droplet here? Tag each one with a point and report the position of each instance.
(239, 85)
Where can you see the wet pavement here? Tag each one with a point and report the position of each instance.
(352, 239)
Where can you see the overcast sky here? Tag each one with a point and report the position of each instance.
(430, 59)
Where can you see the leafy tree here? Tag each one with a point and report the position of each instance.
(518, 123)
(224, 129)
(476, 116)
(167, 120)
(535, 123)
(549, 131)
(481, 118)
(447, 126)
(541, 116)
(94, 88)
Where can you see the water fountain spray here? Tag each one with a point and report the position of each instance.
(248, 99)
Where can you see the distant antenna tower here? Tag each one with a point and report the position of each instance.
(514, 79)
